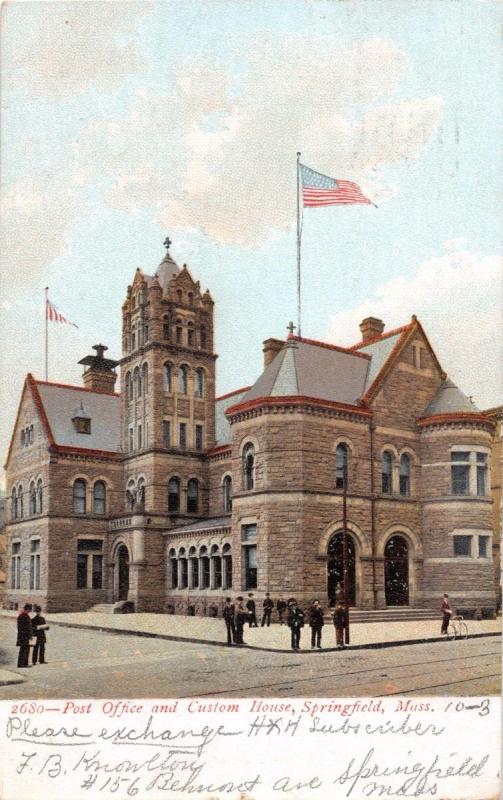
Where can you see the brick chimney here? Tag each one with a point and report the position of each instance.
(100, 375)
(270, 349)
(370, 327)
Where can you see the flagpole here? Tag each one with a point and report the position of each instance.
(46, 334)
(298, 247)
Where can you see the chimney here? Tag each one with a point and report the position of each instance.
(100, 375)
(370, 327)
(270, 349)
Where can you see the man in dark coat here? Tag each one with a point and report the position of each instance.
(39, 628)
(316, 622)
(339, 624)
(280, 608)
(250, 605)
(295, 622)
(446, 614)
(24, 634)
(228, 613)
(241, 617)
(268, 606)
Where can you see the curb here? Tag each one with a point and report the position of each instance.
(214, 643)
(11, 681)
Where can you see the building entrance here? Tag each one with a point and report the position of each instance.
(396, 571)
(335, 573)
(122, 573)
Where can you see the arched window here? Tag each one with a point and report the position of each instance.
(179, 295)
(130, 495)
(99, 497)
(79, 496)
(190, 298)
(387, 472)
(174, 495)
(22, 438)
(174, 568)
(249, 466)
(227, 487)
(136, 383)
(129, 394)
(341, 466)
(216, 571)
(32, 436)
(227, 566)
(190, 334)
(204, 579)
(193, 569)
(404, 475)
(133, 339)
(199, 384)
(167, 377)
(202, 337)
(13, 503)
(40, 497)
(140, 492)
(32, 498)
(20, 500)
(182, 379)
(179, 331)
(192, 496)
(166, 328)
(144, 373)
(182, 569)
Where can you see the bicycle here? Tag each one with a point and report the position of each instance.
(458, 628)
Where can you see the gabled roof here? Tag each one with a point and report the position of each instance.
(448, 400)
(310, 369)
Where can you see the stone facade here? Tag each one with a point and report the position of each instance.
(202, 497)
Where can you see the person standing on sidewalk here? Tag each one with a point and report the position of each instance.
(295, 622)
(316, 623)
(280, 608)
(24, 634)
(339, 624)
(228, 613)
(250, 605)
(446, 614)
(268, 606)
(241, 617)
(39, 628)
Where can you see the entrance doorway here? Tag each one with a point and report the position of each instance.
(396, 571)
(122, 572)
(335, 573)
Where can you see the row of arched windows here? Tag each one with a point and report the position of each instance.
(137, 383)
(387, 479)
(35, 499)
(201, 568)
(183, 379)
(80, 500)
(184, 334)
(174, 495)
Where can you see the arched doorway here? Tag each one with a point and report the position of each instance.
(335, 572)
(396, 571)
(122, 572)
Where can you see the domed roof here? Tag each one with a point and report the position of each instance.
(167, 269)
(448, 400)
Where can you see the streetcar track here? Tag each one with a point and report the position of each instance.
(437, 685)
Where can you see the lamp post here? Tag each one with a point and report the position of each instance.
(345, 531)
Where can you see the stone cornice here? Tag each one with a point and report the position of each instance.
(458, 419)
(169, 348)
(288, 404)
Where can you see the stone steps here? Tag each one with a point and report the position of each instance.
(397, 614)
(107, 608)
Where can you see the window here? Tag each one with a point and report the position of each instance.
(99, 497)
(13, 503)
(140, 492)
(227, 487)
(205, 568)
(22, 438)
(387, 472)
(35, 564)
(174, 568)
(182, 569)
(136, 383)
(129, 395)
(179, 295)
(193, 569)
(40, 496)
(227, 567)
(481, 474)
(199, 385)
(144, 373)
(32, 498)
(190, 298)
(251, 567)
(484, 546)
(130, 495)
(79, 496)
(341, 466)
(460, 472)
(249, 533)
(202, 337)
(199, 437)
(192, 496)
(89, 564)
(166, 433)
(166, 329)
(131, 440)
(463, 546)
(174, 495)
(179, 331)
(405, 475)
(216, 571)
(167, 376)
(15, 566)
(133, 341)
(182, 379)
(249, 466)
(183, 436)
(190, 334)
(20, 496)
(139, 439)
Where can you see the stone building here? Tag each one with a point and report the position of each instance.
(169, 498)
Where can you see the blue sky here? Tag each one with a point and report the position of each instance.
(126, 121)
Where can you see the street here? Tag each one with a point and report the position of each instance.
(94, 664)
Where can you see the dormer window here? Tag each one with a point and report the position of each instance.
(81, 420)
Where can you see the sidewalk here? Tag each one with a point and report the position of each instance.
(276, 638)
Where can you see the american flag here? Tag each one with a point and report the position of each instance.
(53, 314)
(320, 190)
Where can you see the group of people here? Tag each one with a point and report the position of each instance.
(237, 614)
(31, 633)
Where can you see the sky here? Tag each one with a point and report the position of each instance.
(123, 122)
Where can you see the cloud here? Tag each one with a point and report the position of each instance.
(217, 152)
(458, 296)
(60, 49)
